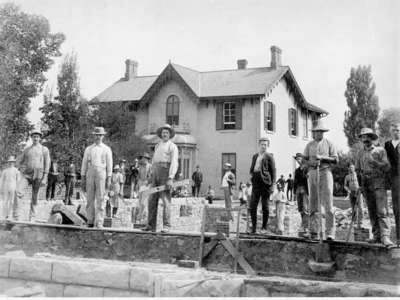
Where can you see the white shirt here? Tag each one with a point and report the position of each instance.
(257, 166)
(167, 152)
(99, 156)
(225, 178)
(395, 143)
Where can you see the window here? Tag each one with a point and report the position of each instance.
(173, 110)
(305, 124)
(229, 115)
(269, 116)
(228, 158)
(293, 128)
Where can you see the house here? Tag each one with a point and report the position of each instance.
(220, 115)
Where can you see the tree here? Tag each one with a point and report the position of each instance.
(388, 117)
(362, 102)
(26, 51)
(67, 117)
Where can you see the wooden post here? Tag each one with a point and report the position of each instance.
(237, 242)
(203, 226)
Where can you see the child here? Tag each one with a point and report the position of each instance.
(116, 191)
(280, 201)
(210, 194)
(8, 188)
(228, 181)
(242, 194)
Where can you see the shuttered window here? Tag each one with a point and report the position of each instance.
(229, 115)
(172, 110)
(293, 122)
(269, 116)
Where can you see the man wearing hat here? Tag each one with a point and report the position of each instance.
(197, 178)
(300, 189)
(263, 175)
(165, 166)
(35, 164)
(144, 178)
(9, 179)
(392, 148)
(372, 165)
(228, 181)
(96, 174)
(321, 153)
(52, 179)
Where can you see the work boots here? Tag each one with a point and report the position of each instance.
(385, 240)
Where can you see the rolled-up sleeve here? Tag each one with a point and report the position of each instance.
(109, 162)
(46, 160)
(174, 161)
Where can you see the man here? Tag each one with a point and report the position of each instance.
(353, 190)
(262, 172)
(134, 178)
(144, 179)
(197, 178)
(281, 182)
(300, 188)
(52, 179)
(165, 166)
(228, 181)
(289, 188)
(321, 153)
(9, 178)
(96, 174)
(34, 164)
(372, 165)
(70, 180)
(393, 153)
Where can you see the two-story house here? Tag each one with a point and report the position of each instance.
(220, 115)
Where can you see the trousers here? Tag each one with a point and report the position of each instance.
(359, 213)
(51, 186)
(196, 189)
(69, 189)
(95, 189)
(396, 204)
(259, 191)
(160, 177)
(303, 207)
(326, 198)
(10, 201)
(376, 199)
(280, 215)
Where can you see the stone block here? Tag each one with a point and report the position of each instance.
(255, 291)
(30, 268)
(103, 275)
(4, 266)
(353, 291)
(108, 292)
(217, 288)
(188, 264)
(82, 291)
(141, 280)
(34, 291)
(54, 289)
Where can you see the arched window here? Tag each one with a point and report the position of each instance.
(173, 110)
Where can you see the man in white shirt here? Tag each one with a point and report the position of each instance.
(164, 168)
(96, 177)
(228, 180)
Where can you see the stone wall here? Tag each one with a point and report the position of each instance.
(47, 275)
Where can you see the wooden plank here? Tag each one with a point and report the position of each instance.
(203, 225)
(237, 242)
(161, 188)
(242, 262)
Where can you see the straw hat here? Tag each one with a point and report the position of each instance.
(11, 158)
(145, 155)
(319, 126)
(169, 128)
(99, 131)
(368, 131)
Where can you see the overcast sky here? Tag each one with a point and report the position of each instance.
(321, 41)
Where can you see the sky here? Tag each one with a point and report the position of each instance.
(320, 41)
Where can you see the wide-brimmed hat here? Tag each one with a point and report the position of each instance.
(319, 126)
(99, 131)
(145, 155)
(36, 130)
(368, 131)
(298, 154)
(228, 165)
(11, 158)
(116, 167)
(169, 128)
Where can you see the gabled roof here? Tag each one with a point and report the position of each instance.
(206, 85)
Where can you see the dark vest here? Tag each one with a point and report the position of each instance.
(393, 157)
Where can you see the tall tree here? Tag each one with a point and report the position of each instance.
(26, 50)
(67, 117)
(362, 102)
(388, 116)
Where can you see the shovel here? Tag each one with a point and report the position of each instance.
(323, 262)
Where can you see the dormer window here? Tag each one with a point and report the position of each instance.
(172, 110)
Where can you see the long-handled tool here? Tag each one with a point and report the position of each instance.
(323, 262)
(353, 216)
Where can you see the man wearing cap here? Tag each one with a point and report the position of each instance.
(144, 178)
(96, 174)
(321, 153)
(197, 178)
(392, 148)
(165, 166)
(52, 179)
(228, 181)
(9, 179)
(34, 164)
(263, 175)
(372, 165)
(300, 189)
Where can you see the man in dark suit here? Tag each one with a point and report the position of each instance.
(263, 174)
(52, 179)
(392, 148)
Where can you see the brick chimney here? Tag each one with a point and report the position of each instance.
(242, 64)
(131, 68)
(276, 57)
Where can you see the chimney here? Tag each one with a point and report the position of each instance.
(131, 68)
(242, 64)
(275, 57)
